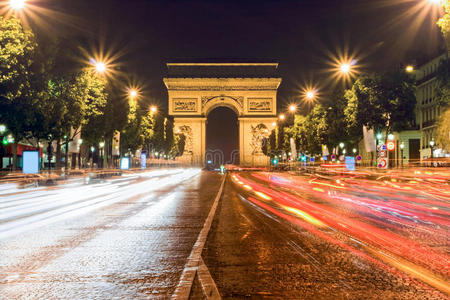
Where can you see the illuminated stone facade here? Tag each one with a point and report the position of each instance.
(248, 89)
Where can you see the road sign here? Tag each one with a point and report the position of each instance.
(359, 157)
(390, 146)
(382, 163)
(382, 154)
(383, 147)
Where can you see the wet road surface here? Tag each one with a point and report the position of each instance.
(308, 237)
(123, 238)
(274, 235)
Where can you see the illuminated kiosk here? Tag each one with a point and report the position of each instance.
(249, 89)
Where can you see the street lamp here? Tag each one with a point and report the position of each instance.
(402, 146)
(292, 108)
(354, 150)
(345, 68)
(2, 151)
(101, 146)
(274, 124)
(310, 95)
(409, 69)
(17, 4)
(133, 93)
(341, 145)
(100, 67)
(390, 137)
(379, 136)
(282, 117)
(153, 109)
(432, 145)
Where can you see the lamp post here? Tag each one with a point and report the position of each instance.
(2, 150)
(342, 145)
(402, 146)
(101, 146)
(80, 142)
(432, 146)
(17, 4)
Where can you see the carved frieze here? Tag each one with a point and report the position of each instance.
(260, 133)
(173, 87)
(259, 104)
(184, 104)
(239, 100)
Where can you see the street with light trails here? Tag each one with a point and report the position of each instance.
(274, 235)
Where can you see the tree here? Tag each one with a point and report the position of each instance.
(337, 129)
(148, 124)
(158, 135)
(92, 89)
(443, 83)
(396, 100)
(17, 46)
(443, 130)
(444, 22)
(131, 138)
(379, 102)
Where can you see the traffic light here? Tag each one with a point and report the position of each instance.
(275, 161)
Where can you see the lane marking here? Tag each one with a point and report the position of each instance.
(195, 261)
(209, 287)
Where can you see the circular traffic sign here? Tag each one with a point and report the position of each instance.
(390, 146)
(382, 163)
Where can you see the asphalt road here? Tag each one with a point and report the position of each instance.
(338, 237)
(274, 235)
(124, 238)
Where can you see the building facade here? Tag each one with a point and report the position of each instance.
(248, 89)
(428, 110)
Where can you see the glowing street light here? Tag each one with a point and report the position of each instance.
(345, 68)
(153, 109)
(2, 129)
(17, 4)
(341, 145)
(409, 69)
(133, 93)
(292, 108)
(274, 124)
(101, 145)
(310, 95)
(282, 117)
(100, 67)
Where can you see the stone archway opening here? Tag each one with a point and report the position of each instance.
(222, 137)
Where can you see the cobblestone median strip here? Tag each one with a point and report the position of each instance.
(195, 264)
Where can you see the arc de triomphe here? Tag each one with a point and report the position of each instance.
(249, 89)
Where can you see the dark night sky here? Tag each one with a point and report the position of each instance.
(300, 35)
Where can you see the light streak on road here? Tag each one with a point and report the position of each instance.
(31, 209)
(397, 225)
